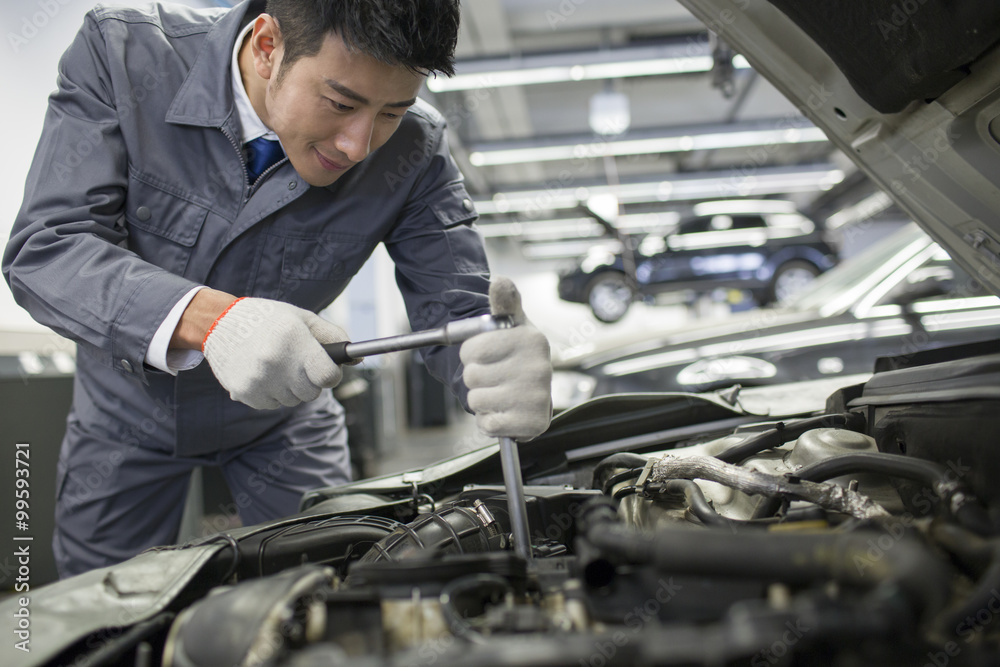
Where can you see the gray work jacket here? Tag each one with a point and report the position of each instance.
(138, 193)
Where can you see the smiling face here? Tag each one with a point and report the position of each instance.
(329, 110)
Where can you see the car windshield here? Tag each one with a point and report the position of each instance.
(853, 274)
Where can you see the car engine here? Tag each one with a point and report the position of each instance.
(669, 529)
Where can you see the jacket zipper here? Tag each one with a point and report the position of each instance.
(260, 179)
(250, 188)
(243, 161)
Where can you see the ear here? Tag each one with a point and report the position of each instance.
(266, 46)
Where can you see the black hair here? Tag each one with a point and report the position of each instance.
(419, 34)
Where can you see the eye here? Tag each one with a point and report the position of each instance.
(392, 116)
(338, 106)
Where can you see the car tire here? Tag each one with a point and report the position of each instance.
(609, 296)
(790, 278)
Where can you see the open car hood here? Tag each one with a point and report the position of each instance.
(908, 89)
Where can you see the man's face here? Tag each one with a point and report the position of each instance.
(332, 109)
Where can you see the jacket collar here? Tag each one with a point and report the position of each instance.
(206, 97)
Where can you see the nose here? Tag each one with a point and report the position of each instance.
(355, 139)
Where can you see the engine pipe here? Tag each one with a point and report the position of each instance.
(608, 467)
(782, 433)
(793, 558)
(960, 501)
(829, 496)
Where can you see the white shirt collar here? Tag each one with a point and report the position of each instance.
(250, 122)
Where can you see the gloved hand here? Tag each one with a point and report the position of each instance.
(267, 353)
(509, 371)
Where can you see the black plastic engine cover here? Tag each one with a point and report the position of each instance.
(961, 436)
(946, 412)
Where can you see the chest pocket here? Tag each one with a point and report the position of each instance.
(316, 269)
(162, 227)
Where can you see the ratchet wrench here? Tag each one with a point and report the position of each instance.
(452, 334)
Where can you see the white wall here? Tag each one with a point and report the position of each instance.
(34, 35)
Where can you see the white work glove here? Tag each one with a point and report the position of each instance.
(267, 353)
(509, 371)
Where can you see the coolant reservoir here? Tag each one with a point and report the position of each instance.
(822, 443)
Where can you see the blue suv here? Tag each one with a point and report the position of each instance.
(766, 247)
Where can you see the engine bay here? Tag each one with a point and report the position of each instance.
(666, 530)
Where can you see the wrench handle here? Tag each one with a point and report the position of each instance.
(338, 352)
(452, 333)
(510, 464)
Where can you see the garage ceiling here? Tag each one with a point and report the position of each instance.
(531, 156)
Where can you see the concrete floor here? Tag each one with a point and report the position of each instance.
(415, 448)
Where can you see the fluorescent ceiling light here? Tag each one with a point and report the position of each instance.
(610, 113)
(605, 205)
(527, 76)
(560, 228)
(538, 230)
(564, 249)
(663, 144)
(31, 363)
(726, 184)
(648, 222)
(744, 206)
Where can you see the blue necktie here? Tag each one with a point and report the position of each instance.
(261, 154)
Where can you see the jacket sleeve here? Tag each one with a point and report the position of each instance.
(67, 260)
(441, 266)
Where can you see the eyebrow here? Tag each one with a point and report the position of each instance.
(357, 97)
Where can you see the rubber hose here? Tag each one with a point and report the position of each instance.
(961, 502)
(783, 433)
(621, 461)
(792, 558)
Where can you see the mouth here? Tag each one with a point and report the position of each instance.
(330, 165)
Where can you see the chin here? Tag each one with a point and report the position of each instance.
(320, 182)
(318, 178)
